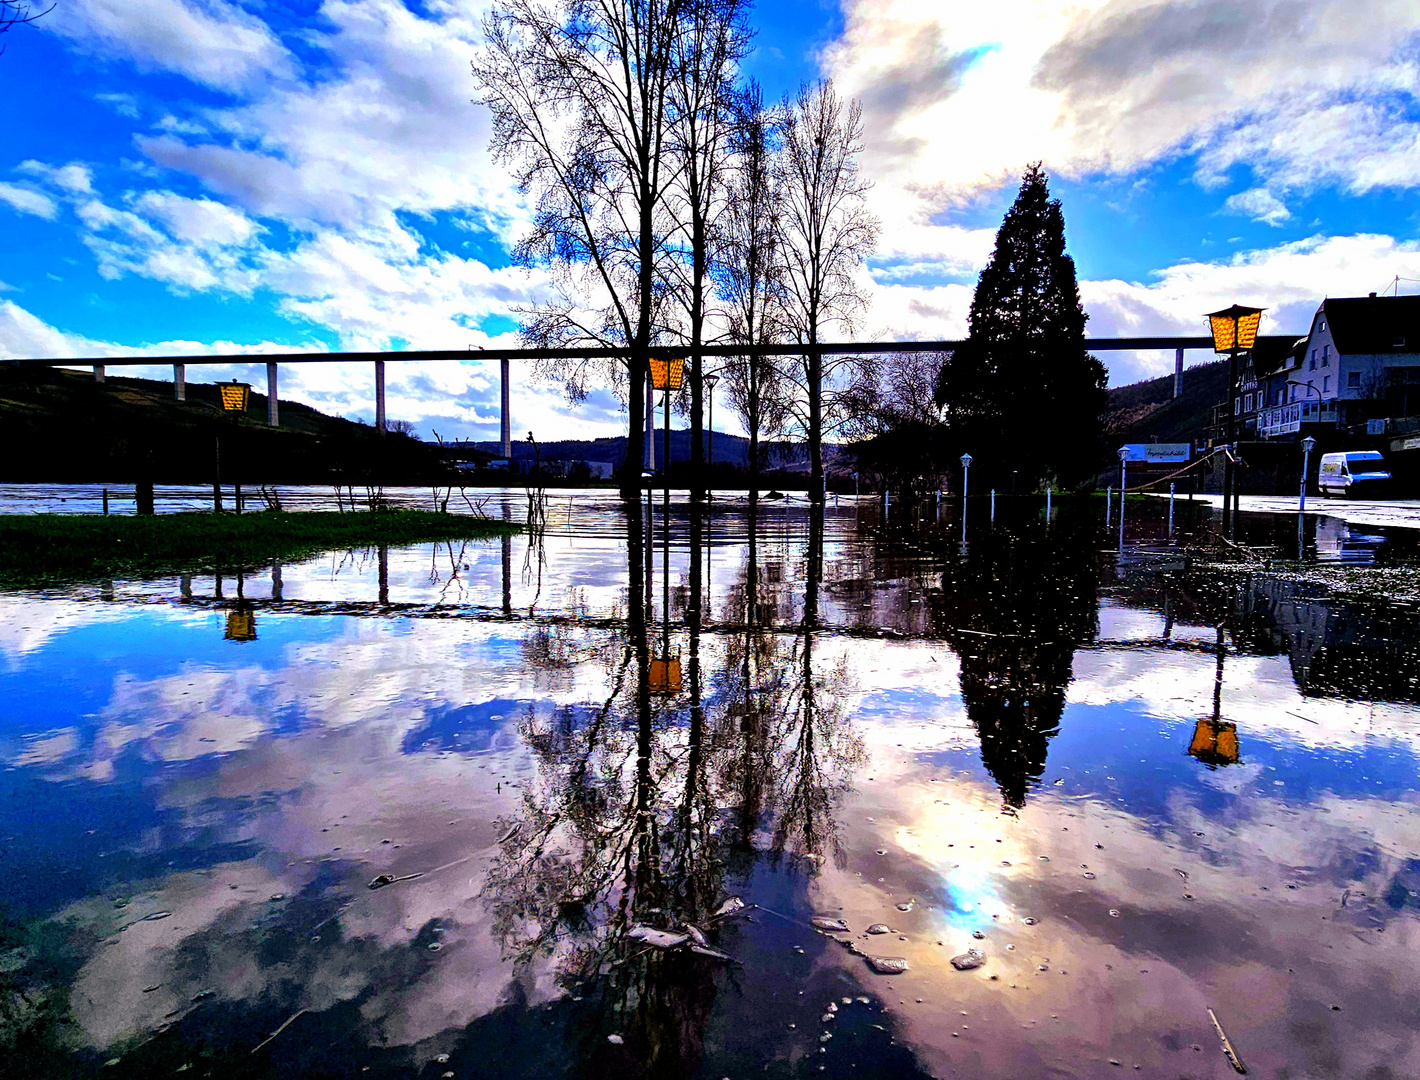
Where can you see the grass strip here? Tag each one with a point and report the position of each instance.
(48, 548)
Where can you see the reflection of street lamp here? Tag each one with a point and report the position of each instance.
(666, 375)
(234, 396)
(1308, 445)
(1234, 330)
(711, 381)
(1215, 740)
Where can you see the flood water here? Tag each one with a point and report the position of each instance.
(492, 809)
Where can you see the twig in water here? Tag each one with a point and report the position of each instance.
(290, 1020)
(1228, 1051)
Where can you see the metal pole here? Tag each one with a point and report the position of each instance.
(1228, 457)
(993, 506)
(1170, 507)
(380, 398)
(710, 446)
(217, 477)
(650, 425)
(179, 382)
(105, 502)
(506, 424)
(1302, 495)
(273, 404)
(1108, 506)
(1047, 506)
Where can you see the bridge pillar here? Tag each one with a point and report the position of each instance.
(273, 407)
(1178, 371)
(507, 415)
(98, 373)
(380, 396)
(179, 382)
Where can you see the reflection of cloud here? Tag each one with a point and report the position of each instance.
(28, 625)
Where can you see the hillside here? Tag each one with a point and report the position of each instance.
(62, 426)
(1148, 412)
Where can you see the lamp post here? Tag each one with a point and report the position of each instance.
(1234, 331)
(1308, 445)
(667, 375)
(711, 381)
(965, 487)
(234, 396)
(1123, 465)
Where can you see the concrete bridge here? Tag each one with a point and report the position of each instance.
(273, 362)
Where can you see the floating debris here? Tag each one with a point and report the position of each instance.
(907, 906)
(1029, 921)
(826, 1017)
(435, 946)
(879, 928)
(713, 954)
(203, 995)
(863, 999)
(832, 1006)
(512, 832)
(969, 960)
(615, 1040)
(1228, 1051)
(887, 965)
(657, 939)
(150, 989)
(729, 907)
(978, 935)
(697, 935)
(882, 851)
(389, 879)
(1088, 875)
(156, 916)
(1114, 913)
(831, 926)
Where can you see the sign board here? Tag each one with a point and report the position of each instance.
(1157, 453)
(1375, 427)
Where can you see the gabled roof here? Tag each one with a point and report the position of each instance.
(1374, 324)
(1269, 356)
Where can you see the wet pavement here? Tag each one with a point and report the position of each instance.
(491, 809)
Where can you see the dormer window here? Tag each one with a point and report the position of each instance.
(1321, 325)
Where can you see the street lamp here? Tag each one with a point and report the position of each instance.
(1308, 445)
(711, 381)
(1234, 330)
(965, 475)
(667, 375)
(1123, 465)
(234, 397)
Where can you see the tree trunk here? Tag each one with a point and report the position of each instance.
(815, 372)
(636, 433)
(697, 389)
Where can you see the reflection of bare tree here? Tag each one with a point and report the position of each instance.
(1015, 609)
(818, 749)
(616, 835)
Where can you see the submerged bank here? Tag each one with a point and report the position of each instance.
(43, 547)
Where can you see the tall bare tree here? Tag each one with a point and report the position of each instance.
(750, 276)
(579, 91)
(713, 39)
(826, 232)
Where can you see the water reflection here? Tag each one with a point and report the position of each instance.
(1209, 772)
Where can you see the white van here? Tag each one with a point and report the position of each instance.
(1354, 474)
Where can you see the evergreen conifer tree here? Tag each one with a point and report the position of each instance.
(1022, 393)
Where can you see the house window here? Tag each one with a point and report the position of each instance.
(1325, 355)
(1294, 392)
(1321, 325)
(1237, 405)
(1353, 380)
(1312, 367)
(1325, 383)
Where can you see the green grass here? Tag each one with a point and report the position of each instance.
(40, 548)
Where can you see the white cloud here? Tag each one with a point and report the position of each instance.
(959, 98)
(28, 202)
(209, 41)
(1259, 204)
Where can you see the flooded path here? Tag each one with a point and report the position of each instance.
(723, 794)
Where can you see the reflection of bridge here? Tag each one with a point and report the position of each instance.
(485, 613)
(505, 356)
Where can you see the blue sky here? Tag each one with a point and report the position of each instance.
(221, 176)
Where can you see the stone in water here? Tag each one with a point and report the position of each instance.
(887, 965)
(969, 960)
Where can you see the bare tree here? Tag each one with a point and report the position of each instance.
(713, 39)
(750, 277)
(579, 91)
(826, 233)
(17, 13)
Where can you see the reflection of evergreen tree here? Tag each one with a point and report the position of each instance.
(1015, 609)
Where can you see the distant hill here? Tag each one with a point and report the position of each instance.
(1148, 412)
(731, 450)
(62, 426)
